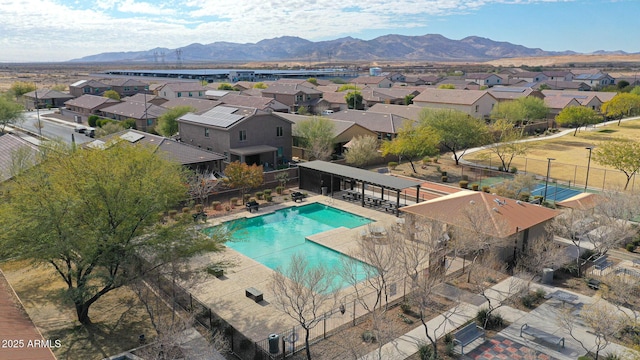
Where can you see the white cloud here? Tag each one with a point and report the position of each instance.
(56, 30)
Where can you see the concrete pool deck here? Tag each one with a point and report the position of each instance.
(226, 295)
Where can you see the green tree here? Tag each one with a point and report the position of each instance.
(167, 122)
(109, 128)
(92, 231)
(313, 81)
(635, 90)
(413, 142)
(10, 113)
(347, 87)
(225, 86)
(260, 85)
(507, 144)
(408, 100)
(111, 94)
(577, 116)
(625, 104)
(446, 86)
(520, 111)
(316, 136)
(243, 177)
(302, 110)
(621, 154)
(92, 120)
(456, 130)
(361, 151)
(20, 88)
(129, 123)
(354, 100)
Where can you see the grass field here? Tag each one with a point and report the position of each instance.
(571, 157)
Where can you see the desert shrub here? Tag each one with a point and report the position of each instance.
(199, 207)
(448, 338)
(246, 197)
(368, 336)
(173, 213)
(405, 307)
(92, 120)
(269, 198)
(267, 192)
(489, 320)
(524, 196)
(259, 195)
(486, 188)
(528, 300)
(630, 247)
(463, 184)
(279, 189)
(185, 210)
(425, 351)
(444, 179)
(513, 170)
(233, 201)
(475, 187)
(216, 205)
(540, 294)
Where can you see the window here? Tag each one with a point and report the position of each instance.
(200, 93)
(280, 151)
(243, 135)
(278, 131)
(298, 98)
(149, 122)
(209, 149)
(477, 108)
(226, 156)
(86, 90)
(179, 94)
(190, 94)
(206, 132)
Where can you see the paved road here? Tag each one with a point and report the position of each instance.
(51, 128)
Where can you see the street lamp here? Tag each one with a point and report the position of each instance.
(546, 181)
(586, 181)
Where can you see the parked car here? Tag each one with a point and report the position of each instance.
(327, 112)
(80, 129)
(90, 132)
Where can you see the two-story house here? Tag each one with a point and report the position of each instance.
(483, 79)
(126, 87)
(242, 134)
(86, 105)
(88, 87)
(477, 103)
(295, 96)
(372, 81)
(145, 114)
(594, 80)
(45, 98)
(181, 89)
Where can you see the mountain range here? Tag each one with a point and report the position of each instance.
(431, 47)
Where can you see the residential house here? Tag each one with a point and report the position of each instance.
(285, 81)
(397, 77)
(458, 83)
(505, 93)
(84, 106)
(295, 96)
(514, 224)
(88, 87)
(189, 156)
(385, 125)
(562, 85)
(477, 103)
(418, 80)
(594, 80)
(404, 111)
(396, 95)
(557, 103)
(126, 87)
(372, 81)
(145, 115)
(45, 98)
(217, 94)
(530, 76)
(242, 134)
(336, 100)
(181, 89)
(146, 98)
(258, 102)
(590, 99)
(9, 145)
(243, 85)
(483, 79)
(558, 75)
(199, 105)
(343, 132)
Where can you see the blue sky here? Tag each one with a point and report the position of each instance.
(60, 30)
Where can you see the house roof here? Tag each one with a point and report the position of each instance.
(482, 76)
(560, 85)
(459, 84)
(123, 82)
(450, 96)
(9, 144)
(582, 201)
(142, 97)
(407, 112)
(90, 101)
(389, 182)
(512, 92)
(220, 116)
(200, 105)
(258, 102)
(584, 97)
(289, 89)
(328, 88)
(182, 86)
(340, 126)
(368, 80)
(335, 97)
(170, 149)
(135, 110)
(48, 94)
(527, 74)
(378, 122)
(91, 82)
(588, 77)
(505, 216)
(560, 102)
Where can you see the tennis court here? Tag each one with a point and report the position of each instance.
(555, 192)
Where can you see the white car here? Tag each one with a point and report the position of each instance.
(80, 129)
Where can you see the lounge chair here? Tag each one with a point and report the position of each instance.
(253, 205)
(297, 196)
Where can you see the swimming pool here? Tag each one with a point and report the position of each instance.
(273, 239)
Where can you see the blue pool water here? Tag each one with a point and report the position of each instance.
(273, 239)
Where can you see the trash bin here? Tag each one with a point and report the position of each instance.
(547, 276)
(324, 190)
(274, 344)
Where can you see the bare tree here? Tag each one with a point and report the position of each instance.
(540, 253)
(202, 184)
(602, 319)
(362, 150)
(302, 292)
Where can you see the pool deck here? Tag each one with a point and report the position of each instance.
(226, 295)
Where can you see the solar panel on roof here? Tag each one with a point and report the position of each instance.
(131, 136)
(506, 89)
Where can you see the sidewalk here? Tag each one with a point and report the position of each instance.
(543, 317)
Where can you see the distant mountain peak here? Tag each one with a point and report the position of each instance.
(428, 47)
